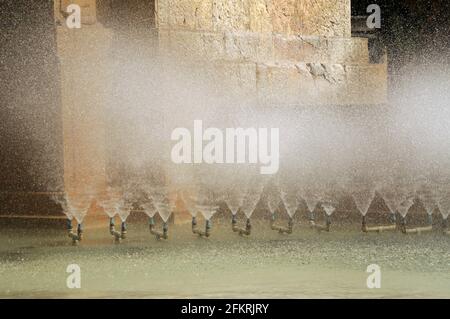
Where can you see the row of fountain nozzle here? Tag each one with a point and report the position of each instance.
(207, 205)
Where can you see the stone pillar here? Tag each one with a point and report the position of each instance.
(85, 87)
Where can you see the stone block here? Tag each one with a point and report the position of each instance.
(366, 84)
(348, 50)
(305, 17)
(300, 48)
(231, 15)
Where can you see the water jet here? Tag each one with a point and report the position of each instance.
(150, 210)
(277, 204)
(248, 206)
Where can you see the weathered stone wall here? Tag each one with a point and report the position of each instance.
(292, 51)
(306, 17)
(271, 52)
(257, 47)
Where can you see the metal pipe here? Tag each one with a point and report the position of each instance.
(416, 230)
(280, 229)
(159, 235)
(241, 231)
(198, 232)
(376, 229)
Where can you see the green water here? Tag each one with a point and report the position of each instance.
(266, 264)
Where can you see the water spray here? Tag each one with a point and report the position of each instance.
(274, 205)
(416, 230)
(363, 195)
(329, 210)
(403, 210)
(159, 203)
(392, 196)
(312, 201)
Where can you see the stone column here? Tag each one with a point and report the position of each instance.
(85, 89)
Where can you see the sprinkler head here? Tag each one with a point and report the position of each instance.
(402, 224)
(123, 230)
(80, 231)
(69, 225)
(430, 219)
(445, 224)
(248, 224)
(208, 228)
(291, 222)
(364, 224)
(312, 216)
(165, 230)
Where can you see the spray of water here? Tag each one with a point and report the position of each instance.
(407, 137)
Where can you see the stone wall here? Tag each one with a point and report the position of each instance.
(306, 17)
(272, 52)
(281, 68)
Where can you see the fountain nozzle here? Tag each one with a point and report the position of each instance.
(445, 226)
(241, 231)
(118, 236)
(319, 227)
(159, 235)
(280, 229)
(200, 233)
(78, 236)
